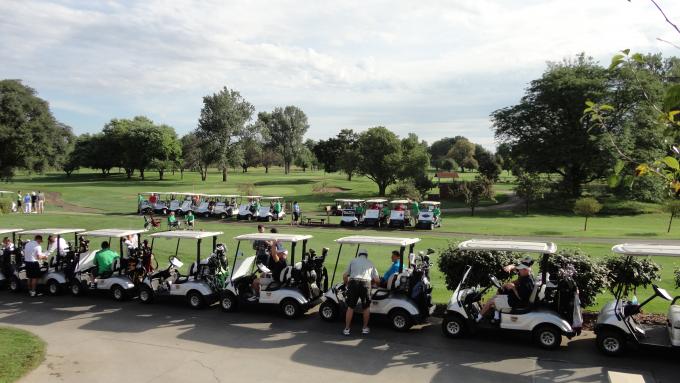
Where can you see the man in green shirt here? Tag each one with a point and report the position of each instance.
(172, 221)
(189, 218)
(140, 199)
(359, 211)
(277, 208)
(415, 211)
(103, 260)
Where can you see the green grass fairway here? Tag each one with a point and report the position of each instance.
(20, 352)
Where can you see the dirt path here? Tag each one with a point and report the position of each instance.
(54, 199)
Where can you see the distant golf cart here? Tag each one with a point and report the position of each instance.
(374, 215)
(549, 315)
(120, 285)
(407, 298)
(268, 209)
(400, 213)
(204, 206)
(149, 202)
(616, 327)
(428, 218)
(182, 203)
(205, 280)
(352, 212)
(9, 260)
(57, 272)
(225, 206)
(249, 208)
(297, 289)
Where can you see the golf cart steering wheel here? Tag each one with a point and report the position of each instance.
(495, 281)
(662, 293)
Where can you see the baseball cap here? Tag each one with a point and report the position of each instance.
(525, 263)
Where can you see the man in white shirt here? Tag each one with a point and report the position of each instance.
(32, 256)
(358, 277)
(53, 245)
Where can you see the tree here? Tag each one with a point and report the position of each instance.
(221, 124)
(439, 150)
(347, 142)
(96, 151)
(476, 191)
(252, 153)
(488, 166)
(671, 207)
(631, 273)
(587, 207)
(463, 153)
(328, 152)
(270, 157)
(504, 151)
(530, 187)
(304, 158)
(284, 129)
(449, 164)
(191, 155)
(404, 189)
(380, 157)
(546, 131)
(415, 157)
(423, 184)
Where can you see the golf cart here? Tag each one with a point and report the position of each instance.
(297, 289)
(182, 203)
(553, 306)
(120, 284)
(205, 280)
(350, 215)
(407, 298)
(10, 260)
(146, 206)
(250, 208)
(400, 215)
(225, 206)
(205, 205)
(267, 211)
(616, 326)
(57, 272)
(427, 219)
(374, 215)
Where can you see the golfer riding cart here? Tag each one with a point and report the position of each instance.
(182, 203)
(57, 272)
(374, 215)
(352, 212)
(205, 280)
(225, 206)
(406, 298)
(272, 211)
(429, 216)
(616, 327)
(204, 205)
(9, 258)
(120, 282)
(250, 209)
(400, 216)
(552, 310)
(148, 202)
(296, 289)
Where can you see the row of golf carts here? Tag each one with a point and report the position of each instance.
(220, 206)
(378, 212)
(405, 300)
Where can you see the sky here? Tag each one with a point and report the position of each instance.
(435, 68)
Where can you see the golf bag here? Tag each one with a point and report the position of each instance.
(215, 271)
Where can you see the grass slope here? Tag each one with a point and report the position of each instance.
(20, 352)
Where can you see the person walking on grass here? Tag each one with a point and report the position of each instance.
(358, 277)
(41, 202)
(27, 203)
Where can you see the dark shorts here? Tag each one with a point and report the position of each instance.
(33, 270)
(296, 216)
(358, 290)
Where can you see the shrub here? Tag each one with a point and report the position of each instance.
(586, 207)
(5, 206)
(404, 189)
(530, 187)
(452, 262)
(639, 272)
(645, 189)
(246, 189)
(448, 164)
(475, 191)
(677, 277)
(590, 276)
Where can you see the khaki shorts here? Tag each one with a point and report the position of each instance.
(500, 302)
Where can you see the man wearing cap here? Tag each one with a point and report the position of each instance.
(513, 294)
(358, 277)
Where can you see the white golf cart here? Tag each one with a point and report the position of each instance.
(8, 259)
(351, 215)
(297, 289)
(400, 215)
(206, 202)
(249, 208)
(225, 206)
(549, 315)
(374, 215)
(182, 203)
(146, 206)
(267, 210)
(119, 284)
(616, 326)
(205, 280)
(407, 298)
(427, 219)
(57, 271)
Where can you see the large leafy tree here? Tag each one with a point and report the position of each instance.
(191, 153)
(380, 159)
(463, 152)
(440, 148)
(284, 129)
(338, 153)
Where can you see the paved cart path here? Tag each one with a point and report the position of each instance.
(98, 340)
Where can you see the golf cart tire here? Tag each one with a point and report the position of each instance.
(454, 326)
(547, 336)
(290, 308)
(431, 226)
(179, 212)
(400, 320)
(329, 311)
(249, 217)
(118, 293)
(164, 211)
(195, 300)
(53, 287)
(77, 289)
(206, 215)
(270, 218)
(14, 285)
(229, 303)
(146, 294)
(223, 216)
(611, 341)
(355, 223)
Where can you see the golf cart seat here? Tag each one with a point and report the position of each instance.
(384, 292)
(674, 316)
(538, 288)
(183, 278)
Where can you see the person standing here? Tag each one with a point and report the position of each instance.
(34, 200)
(296, 213)
(358, 277)
(33, 254)
(140, 201)
(27, 203)
(19, 199)
(41, 202)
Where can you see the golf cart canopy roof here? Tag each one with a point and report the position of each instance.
(376, 200)
(400, 201)
(6, 192)
(50, 231)
(113, 233)
(186, 234)
(647, 249)
(150, 193)
(185, 193)
(272, 198)
(368, 240)
(515, 246)
(433, 203)
(228, 195)
(273, 237)
(9, 231)
(348, 200)
(252, 196)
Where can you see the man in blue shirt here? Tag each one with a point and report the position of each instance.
(394, 269)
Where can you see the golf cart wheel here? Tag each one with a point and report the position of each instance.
(146, 294)
(164, 211)
(118, 293)
(206, 215)
(401, 320)
(290, 308)
(431, 226)
(611, 342)
(53, 287)
(195, 299)
(328, 311)
(77, 288)
(548, 337)
(355, 223)
(223, 216)
(270, 218)
(454, 326)
(14, 285)
(249, 217)
(228, 303)
(178, 212)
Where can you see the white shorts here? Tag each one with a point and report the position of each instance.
(500, 302)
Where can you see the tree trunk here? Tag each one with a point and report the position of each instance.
(141, 173)
(160, 174)
(527, 205)
(129, 172)
(266, 169)
(585, 225)
(472, 211)
(224, 174)
(181, 174)
(204, 173)
(349, 176)
(670, 222)
(381, 190)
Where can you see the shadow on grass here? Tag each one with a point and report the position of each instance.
(296, 181)
(643, 234)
